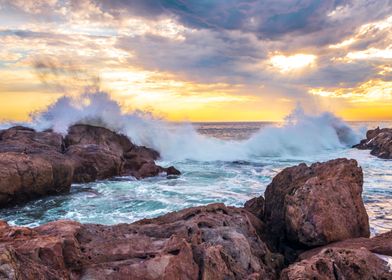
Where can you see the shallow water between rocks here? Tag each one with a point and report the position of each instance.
(124, 200)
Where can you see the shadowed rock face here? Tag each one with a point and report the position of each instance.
(34, 164)
(316, 205)
(216, 241)
(210, 242)
(379, 141)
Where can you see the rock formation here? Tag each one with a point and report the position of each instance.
(34, 164)
(209, 242)
(379, 141)
(316, 205)
(216, 241)
(350, 264)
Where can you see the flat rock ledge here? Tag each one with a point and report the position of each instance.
(311, 225)
(34, 164)
(379, 141)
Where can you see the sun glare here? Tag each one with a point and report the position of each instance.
(292, 62)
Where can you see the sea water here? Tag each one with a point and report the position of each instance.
(220, 162)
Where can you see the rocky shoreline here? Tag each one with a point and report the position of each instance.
(35, 164)
(311, 224)
(379, 141)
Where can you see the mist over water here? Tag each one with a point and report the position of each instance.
(300, 134)
(220, 162)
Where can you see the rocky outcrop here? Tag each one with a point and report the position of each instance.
(34, 164)
(380, 244)
(209, 242)
(336, 263)
(379, 141)
(308, 206)
(216, 241)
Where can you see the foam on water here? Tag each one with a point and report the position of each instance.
(230, 170)
(299, 135)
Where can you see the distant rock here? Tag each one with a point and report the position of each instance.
(35, 164)
(379, 141)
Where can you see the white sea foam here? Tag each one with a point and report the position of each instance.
(299, 135)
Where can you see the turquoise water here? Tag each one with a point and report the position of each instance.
(232, 182)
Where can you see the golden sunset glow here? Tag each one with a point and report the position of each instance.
(153, 59)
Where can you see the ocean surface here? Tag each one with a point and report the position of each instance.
(220, 162)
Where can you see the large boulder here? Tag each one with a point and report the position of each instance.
(81, 134)
(34, 164)
(209, 242)
(308, 206)
(333, 263)
(379, 141)
(100, 153)
(94, 162)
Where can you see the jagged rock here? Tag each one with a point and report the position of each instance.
(208, 242)
(34, 164)
(81, 134)
(94, 162)
(379, 141)
(256, 206)
(380, 244)
(333, 263)
(316, 205)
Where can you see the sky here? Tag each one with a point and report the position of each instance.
(201, 60)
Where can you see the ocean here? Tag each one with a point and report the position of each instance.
(220, 162)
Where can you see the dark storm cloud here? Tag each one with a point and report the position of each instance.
(269, 19)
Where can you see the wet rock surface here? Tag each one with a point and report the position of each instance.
(217, 241)
(379, 141)
(35, 164)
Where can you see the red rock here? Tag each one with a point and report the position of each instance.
(380, 244)
(94, 162)
(81, 134)
(256, 206)
(28, 176)
(333, 263)
(316, 205)
(211, 242)
(379, 141)
(35, 164)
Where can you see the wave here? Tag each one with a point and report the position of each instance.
(299, 135)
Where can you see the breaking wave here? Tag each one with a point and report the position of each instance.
(299, 135)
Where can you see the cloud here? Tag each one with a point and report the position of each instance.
(203, 54)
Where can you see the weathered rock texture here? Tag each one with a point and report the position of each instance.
(336, 263)
(304, 207)
(34, 164)
(380, 244)
(211, 242)
(316, 205)
(379, 141)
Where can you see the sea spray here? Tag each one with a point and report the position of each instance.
(299, 135)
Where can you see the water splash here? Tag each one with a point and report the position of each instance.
(299, 135)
